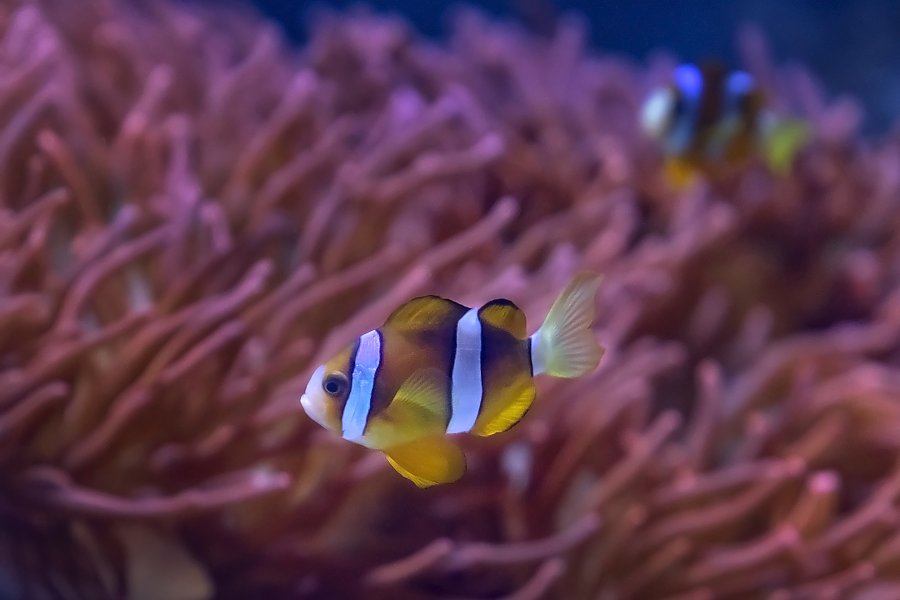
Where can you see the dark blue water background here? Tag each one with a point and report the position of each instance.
(852, 46)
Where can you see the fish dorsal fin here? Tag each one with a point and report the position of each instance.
(424, 313)
(504, 314)
(418, 409)
(428, 461)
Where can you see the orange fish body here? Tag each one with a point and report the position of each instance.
(437, 368)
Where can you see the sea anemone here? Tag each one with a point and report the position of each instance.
(194, 215)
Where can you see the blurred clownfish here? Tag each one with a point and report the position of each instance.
(437, 368)
(708, 120)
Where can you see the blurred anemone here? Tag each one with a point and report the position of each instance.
(193, 215)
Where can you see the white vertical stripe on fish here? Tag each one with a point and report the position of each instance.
(466, 389)
(362, 386)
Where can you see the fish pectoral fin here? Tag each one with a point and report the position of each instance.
(418, 409)
(428, 461)
(507, 410)
(423, 314)
(504, 314)
(421, 399)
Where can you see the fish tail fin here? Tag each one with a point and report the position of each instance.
(564, 345)
(782, 139)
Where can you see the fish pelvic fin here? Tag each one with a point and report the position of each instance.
(428, 461)
(782, 139)
(564, 345)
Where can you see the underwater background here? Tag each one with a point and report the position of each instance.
(853, 46)
(198, 205)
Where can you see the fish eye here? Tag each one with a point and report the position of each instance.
(335, 384)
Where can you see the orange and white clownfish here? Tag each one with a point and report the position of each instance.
(708, 120)
(437, 368)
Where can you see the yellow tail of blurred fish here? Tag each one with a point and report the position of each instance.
(781, 140)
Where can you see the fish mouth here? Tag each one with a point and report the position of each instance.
(307, 404)
(312, 410)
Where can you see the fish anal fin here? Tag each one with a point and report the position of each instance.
(419, 408)
(504, 314)
(424, 313)
(428, 461)
(506, 410)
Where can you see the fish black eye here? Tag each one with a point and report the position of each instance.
(335, 384)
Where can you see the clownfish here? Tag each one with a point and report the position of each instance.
(437, 368)
(708, 120)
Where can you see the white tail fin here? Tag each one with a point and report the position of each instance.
(564, 346)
